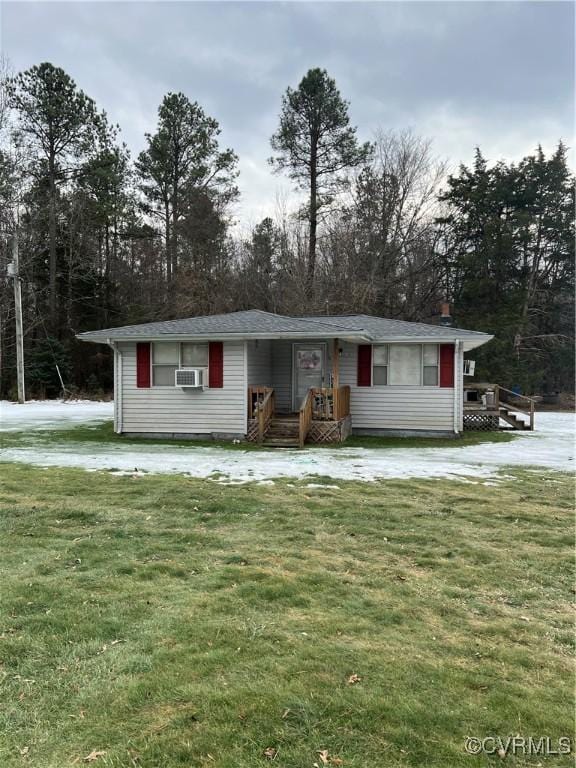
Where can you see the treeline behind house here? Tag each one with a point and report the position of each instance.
(106, 239)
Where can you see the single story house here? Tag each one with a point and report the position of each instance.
(285, 380)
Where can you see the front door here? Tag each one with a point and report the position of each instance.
(308, 367)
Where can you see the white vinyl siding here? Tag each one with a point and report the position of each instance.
(399, 407)
(177, 411)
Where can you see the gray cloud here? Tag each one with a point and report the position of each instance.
(494, 74)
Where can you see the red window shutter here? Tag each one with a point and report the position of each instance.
(216, 364)
(143, 364)
(446, 365)
(364, 365)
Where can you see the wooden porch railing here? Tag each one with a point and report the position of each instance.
(265, 414)
(261, 406)
(305, 417)
(255, 397)
(330, 404)
(342, 404)
(530, 400)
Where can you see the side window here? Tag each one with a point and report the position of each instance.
(380, 365)
(430, 365)
(165, 361)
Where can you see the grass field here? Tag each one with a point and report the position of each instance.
(161, 621)
(103, 434)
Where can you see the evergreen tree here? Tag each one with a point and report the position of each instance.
(61, 124)
(183, 159)
(316, 144)
(510, 265)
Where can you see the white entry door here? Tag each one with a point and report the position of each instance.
(308, 367)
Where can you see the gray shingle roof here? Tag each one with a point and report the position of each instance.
(249, 323)
(382, 328)
(255, 323)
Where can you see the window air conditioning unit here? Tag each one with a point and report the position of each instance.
(190, 378)
(469, 366)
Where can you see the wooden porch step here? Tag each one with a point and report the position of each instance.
(281, 442)
(510, 418)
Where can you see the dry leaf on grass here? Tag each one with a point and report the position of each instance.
(270, 753)
(327, 759)
(353, 679)
(24, 751)
(94, 755)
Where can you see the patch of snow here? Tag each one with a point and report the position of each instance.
(322, 485)
(551, 447)
(52, 414)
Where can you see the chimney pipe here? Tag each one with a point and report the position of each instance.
(445, 317)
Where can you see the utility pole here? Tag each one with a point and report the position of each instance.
(14, 272)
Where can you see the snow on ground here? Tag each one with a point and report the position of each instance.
(551, 446)
(51, 414)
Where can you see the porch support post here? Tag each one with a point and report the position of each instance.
(335, 378)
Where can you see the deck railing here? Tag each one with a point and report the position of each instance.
(255, 397)
(509, 401)
(305, 415)
(265, 414)
(342, 405)
(330, 404)
(261, 406)
(524, 398)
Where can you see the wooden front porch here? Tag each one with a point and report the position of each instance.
(323, 417)
(311, 413)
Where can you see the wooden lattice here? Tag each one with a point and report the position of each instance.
(480, 422)
(329, 431)
(319, 432)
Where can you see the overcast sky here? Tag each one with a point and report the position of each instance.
(494, 74)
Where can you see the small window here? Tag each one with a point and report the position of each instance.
(165, 361)
(430, 365)
(194, 355)
(380, 369)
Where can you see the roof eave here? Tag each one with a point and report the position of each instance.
(344, 334)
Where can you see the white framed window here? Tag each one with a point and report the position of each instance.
(430, 366)
(169, 356)
(165, 362)
(380, 365)
(409, 365)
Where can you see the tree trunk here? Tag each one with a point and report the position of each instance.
(52, 265)
(313, 221)
(167, 244)
(175, 204)
(106, 273)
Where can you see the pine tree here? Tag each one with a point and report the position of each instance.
(183, 159)
(62, 125)
(317, 145)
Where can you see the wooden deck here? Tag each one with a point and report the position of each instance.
(497, 404)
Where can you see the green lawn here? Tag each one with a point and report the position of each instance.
(166, 621)
(103, 434)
